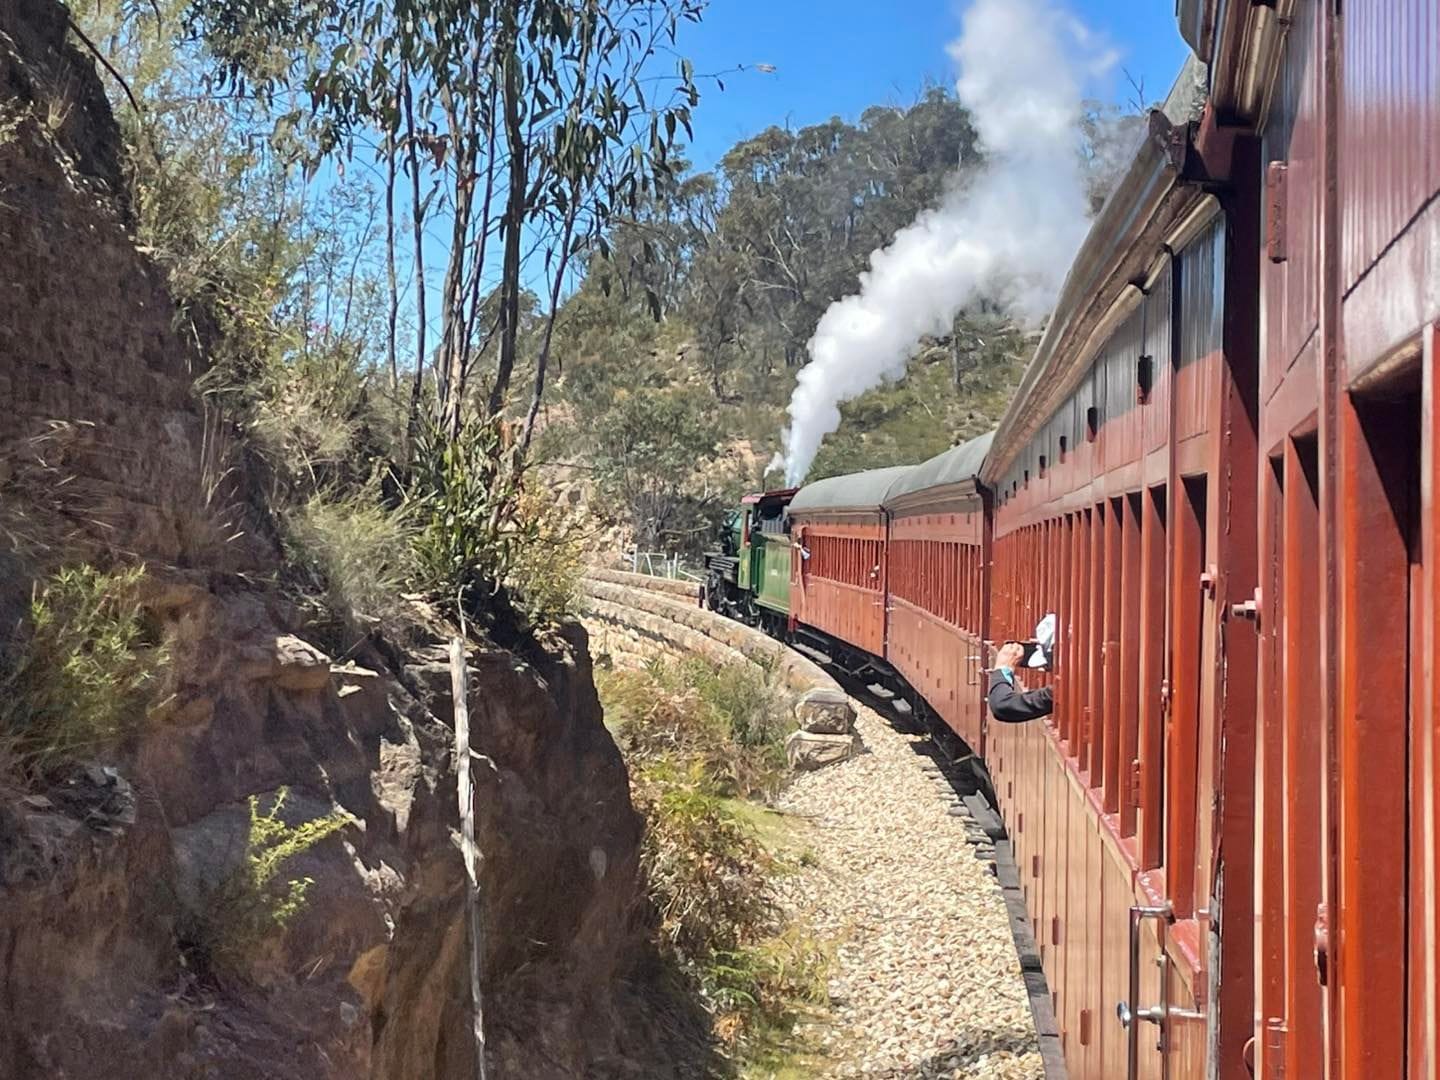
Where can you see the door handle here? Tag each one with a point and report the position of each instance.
(1128, 1012)
(1152, 1015)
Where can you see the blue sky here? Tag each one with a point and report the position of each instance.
(837, 57)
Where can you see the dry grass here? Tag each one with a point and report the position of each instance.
(357, 554)
(702, 742)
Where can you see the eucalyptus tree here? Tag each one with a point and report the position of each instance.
(520, 125)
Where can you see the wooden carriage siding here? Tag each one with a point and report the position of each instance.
(840, 588)
(1221, 472)
(1230, 554)
(939, 603)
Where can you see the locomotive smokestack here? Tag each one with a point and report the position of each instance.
(1008, 232)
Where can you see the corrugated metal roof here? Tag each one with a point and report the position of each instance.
(861, 491)
(954, 466)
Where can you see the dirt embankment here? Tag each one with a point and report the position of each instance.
(107, 456)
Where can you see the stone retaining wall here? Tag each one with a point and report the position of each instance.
(634, 618)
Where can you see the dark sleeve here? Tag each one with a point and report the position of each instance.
(1011, 706)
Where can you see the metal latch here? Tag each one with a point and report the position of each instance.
(1127, 1011)
(1247, 609)
(1276, 175)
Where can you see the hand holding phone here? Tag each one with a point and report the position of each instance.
(1011, 654)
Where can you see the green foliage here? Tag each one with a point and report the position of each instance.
(709, 878)
(255, 904)
(696, 736)
(728, 721)
(358, 554)
(81, 672)
(775, 978)
(705, 870)
(457, 500)
(547, 559)
(746, 696)
(536, 118)
(649, 445)
(743, 262)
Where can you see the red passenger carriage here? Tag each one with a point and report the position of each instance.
(938, 553)
(837, 582)
(1222, 472)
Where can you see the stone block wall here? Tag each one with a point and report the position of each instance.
(633, 618)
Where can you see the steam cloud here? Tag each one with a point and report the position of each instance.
(1009, 233)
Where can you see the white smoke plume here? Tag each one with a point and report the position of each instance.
(1009, 232)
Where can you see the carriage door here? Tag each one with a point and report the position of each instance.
(1385, 872)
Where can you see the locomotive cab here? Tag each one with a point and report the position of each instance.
(748, 577)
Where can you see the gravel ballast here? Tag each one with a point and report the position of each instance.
(925, 982)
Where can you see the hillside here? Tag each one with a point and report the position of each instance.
(693, 321)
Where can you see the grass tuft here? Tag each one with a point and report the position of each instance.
(357, 552)
(81, 671)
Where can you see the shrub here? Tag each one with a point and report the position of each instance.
(546, 559)
(357, 552)
(82, 669)
(453, 494)
(709, 881)
(257, 902)
(746, 696)
(705, 869)
(696, 735)
(768, 983)
(732, 719)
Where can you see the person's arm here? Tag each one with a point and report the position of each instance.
(1009, 705)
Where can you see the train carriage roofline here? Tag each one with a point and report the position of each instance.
(862, 491)
(1151, 208)
(957, 468)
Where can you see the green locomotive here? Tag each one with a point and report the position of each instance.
(748, 578)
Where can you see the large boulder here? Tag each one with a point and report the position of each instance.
(825, 711)
(807, 751)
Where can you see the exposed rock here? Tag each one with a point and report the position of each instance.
(290, 663)
(807, 751)
(97, 795)
(102, 876)
(823, 711)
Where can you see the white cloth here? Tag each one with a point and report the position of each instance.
(1045, 638)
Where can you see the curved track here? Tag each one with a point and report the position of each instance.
(927, 981)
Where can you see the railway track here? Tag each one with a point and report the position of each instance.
(935, 974)
(970, 801)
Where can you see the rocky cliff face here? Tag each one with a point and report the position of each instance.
(105, 454)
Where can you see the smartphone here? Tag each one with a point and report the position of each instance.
(1033, 650)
